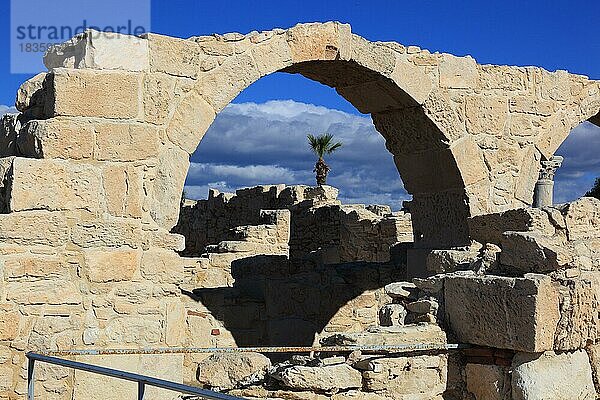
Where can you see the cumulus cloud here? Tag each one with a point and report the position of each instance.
(581, 165)
(6, 110)
(251, 144)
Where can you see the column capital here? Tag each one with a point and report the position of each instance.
(549, 167)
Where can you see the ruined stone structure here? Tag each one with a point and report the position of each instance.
(92, 171)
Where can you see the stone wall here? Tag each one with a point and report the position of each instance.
(319, 222)
(93, 167)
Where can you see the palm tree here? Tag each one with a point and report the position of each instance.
(321, 145)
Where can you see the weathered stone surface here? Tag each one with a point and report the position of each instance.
(486, 115)
(327, 379)
(228, 371)
(175, 56)
(57, 138)
(327, 41)
(402, 290)
(593, 352)
(124, 190)
(34, 227)
(392, 315)
(30, 94)
(458, 72)
(563, 376)
(73, 186)
(89, 93)
(168, 185)
(403, 377)
(100, 50)
(192, 117)
(164, 366)
(579, 322)
(111, 265)
(488, 382)
(125, 142)
(510, 313)
(525, 252)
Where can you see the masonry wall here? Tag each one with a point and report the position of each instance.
(319, 222)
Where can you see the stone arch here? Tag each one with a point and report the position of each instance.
(404, 99)
(467, 139)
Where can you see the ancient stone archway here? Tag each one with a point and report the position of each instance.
(93, 167)
(467, 138)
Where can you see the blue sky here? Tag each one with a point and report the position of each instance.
(550, 34)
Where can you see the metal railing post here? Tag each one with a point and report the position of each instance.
(30, 379)
(141, 390)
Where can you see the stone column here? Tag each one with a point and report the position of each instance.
(544, 188)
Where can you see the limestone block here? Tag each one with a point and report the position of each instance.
(164, 366)
(374, 56)
(116, 265)
(175, 56)
(392, 315)
(413, 80)
(31, 94)
(582, 218)
(503, 77)
(10, 127)
(47, 292)
(403, 376)
(107, 232)
(146, 330)
(490, 227)
(9, 325)
(458, 72)
(526, 125)
(125, 141)
(34, 227)
(543, 376)
(163, 266)
(222, 84)
(524, 252)
(58, 137)
(402, 290)
(528, 175)
(532, 105)
(594, 355)
(73, 186)
(92, 93)
(168, 186)
(469, 159)
(272, 55)
(158, 91)
(35, 266)
(399, 335)
(123, 187)
(488, 382)
(509, 313)
(317, 41)
(327, 378)
(100, 50)
(228, 371)
(579, 322)
(193, 116)
(175, 333)
(486, 115)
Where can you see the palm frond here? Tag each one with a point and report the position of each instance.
(322, 144)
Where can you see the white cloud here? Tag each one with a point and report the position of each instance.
(581, 165)
(7, 110)
(251, 144)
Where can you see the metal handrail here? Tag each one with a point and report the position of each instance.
(141, 380)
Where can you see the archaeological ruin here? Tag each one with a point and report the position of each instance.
(98, 250)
